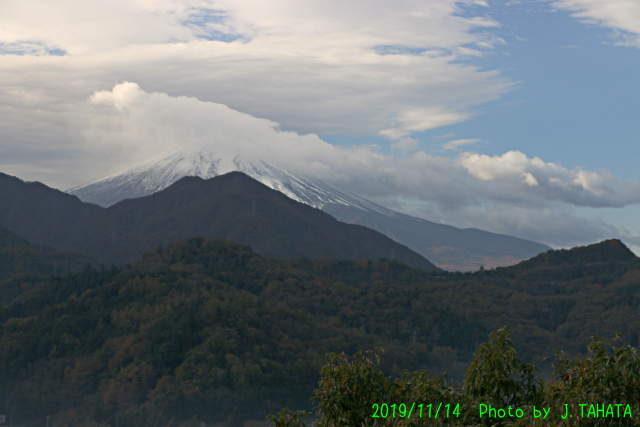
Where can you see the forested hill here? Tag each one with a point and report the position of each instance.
(233, 206)
(561, 271)
(609, 251)
(202, 327)
(22, 264)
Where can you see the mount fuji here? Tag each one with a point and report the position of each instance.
(448, 247)
(159, 173)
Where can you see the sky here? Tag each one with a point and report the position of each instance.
(517, 117)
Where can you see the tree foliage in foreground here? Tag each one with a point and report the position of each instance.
(602, 389)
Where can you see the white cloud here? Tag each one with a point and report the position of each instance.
(549, 181)
(621, 15)
(528, 179)
(419, 120)
(80, 27)
(122, 96)
(319, 66)
(70, 143)
(457, 143)
(405, 144)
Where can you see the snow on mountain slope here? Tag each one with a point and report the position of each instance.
(157, 174)
(448, 247)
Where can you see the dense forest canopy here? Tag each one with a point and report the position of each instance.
(205, 329)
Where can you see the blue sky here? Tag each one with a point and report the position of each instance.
(519, 117)
(576, 97)
(576, 94)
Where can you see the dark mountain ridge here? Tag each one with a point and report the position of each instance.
(567, 271)
(607, 255)
(612, 250)
(232, 206)
(37, 212)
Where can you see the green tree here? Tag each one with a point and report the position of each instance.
(351, 387)
(499, 376)
(609, 375)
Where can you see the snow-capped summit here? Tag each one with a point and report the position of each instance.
(449, 247)
(159, 173)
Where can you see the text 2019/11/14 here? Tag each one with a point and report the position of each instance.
(393, 410)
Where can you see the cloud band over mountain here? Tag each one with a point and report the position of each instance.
(510, 193)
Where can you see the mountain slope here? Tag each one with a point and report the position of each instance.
(603, 262)
(449, 247)
(607, 251)
(232, 206)
(158, 174)
(36, 212)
